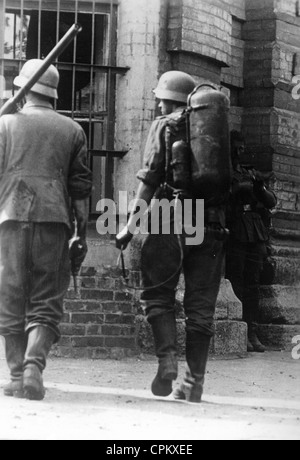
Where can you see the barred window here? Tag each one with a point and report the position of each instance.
(88, 68)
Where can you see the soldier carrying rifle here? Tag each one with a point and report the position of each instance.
(248, 217)
(43, 169)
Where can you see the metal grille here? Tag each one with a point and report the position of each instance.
(31, 28)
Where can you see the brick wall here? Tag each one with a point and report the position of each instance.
(234, 75)
(200, 68)
(286, 6)
(272, 116)
(200, 27)
(288, 194)
(99, 321)
(104, 320)
(271, 124)
(286, 159)
(237, 8)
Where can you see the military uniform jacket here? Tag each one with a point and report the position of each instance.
(154, 168)
(43, 163)
(247, 216)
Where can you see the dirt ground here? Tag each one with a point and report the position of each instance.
(257, 398)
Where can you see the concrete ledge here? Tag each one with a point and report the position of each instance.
(230, 338)
(228, 305)
(278, 337)
(280, 305)
(115, 353)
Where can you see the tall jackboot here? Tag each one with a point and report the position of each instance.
(250, 315)
(197, 350)
(40, 340)
(15, 350)
(164, 333)
(253, 340)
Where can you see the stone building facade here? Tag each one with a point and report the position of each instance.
(271, 124)
(252, 49)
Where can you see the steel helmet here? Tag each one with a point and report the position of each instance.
(175, 86)
(47, 84)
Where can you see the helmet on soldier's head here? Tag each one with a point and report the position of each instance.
(175, 86)
(46, 85)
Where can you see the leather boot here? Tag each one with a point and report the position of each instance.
(257, 346)
(197, 350)
(164, 333)
(40, 340)
(15, 349)
(250, 347)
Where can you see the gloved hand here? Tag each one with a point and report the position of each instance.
(123, 238)
(258, 185)
(258, 178)
(77, 251)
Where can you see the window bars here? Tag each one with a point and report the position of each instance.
(31, 28)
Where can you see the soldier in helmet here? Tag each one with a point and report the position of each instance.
(248, 220)
(44, 183)
(163, 255)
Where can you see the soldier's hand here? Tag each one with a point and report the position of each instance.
(123, 238)
(78, 251)
(258, 179)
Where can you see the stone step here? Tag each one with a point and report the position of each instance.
(280, 305)
(228, 306)
(290, 250)
(284, 267)
(279, 337)
(230, 338)
(287, 270)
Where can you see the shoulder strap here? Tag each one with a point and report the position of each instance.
(168, 155)
(172, 123)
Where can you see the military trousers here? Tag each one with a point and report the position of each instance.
(34, 275)
(244, 264)
(163, 259)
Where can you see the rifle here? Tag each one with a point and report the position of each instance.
(11, 105)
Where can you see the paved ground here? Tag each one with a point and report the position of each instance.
(253, 398)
